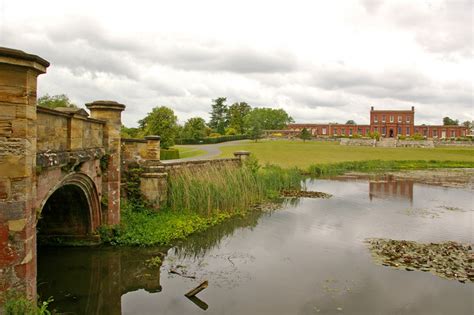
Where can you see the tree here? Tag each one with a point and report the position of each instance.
(350, 122)
(305, 135)
(162, 122)
(448, 122)
(236, 115)
(468, 124)
(126, 132)
(60, 100)
(253, 124)
(270, 119)
(218, 120)
(195, 128)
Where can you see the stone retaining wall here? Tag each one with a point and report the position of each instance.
(358, 142)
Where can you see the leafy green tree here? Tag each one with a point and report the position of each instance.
(162, 122)
(60, 100)
(305, 135)
(269, 118)
(236, 115)
(229, 131)
(350, 122)
(132, 133)
(468, 124)
(450, 122)
(253, 123)
(218, 120)
(195, 128)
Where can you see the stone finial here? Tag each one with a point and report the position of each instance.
(105, 105)
(242, 154)
(20, 58)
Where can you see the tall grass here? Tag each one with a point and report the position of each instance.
(224, 188)
(382, 166)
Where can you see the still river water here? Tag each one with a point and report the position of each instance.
(308, 257)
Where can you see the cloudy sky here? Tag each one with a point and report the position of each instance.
(318, 60)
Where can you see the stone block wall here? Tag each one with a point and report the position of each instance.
(415, 144)
(358, 142)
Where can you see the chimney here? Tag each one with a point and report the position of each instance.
(371, 108)
(413, 108)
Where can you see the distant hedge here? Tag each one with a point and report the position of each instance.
(211, 140)
(169, 154)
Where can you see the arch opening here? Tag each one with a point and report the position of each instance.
(66, 213)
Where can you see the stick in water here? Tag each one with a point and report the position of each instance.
(197, 289)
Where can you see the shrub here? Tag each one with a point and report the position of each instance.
(230, 131)
(169, 154)
(214, 135)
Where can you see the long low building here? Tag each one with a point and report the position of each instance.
(387, 123)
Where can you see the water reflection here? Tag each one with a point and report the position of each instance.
(391, 189)
(308, 256)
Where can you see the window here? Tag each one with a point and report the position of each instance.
(391, 118)
(435, 133)
(324, 131)
(343, 131)
(384, 130)
(399, 130)
(383, 118)
(408, 119)
(408, 131)
(359, 131)
(425, 132)
(335, 132)
(350, 131)
(376, 120)
(453, 133)
(376, 129)
(399, 119)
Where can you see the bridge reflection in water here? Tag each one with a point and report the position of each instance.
(391, 189)
(93, 281)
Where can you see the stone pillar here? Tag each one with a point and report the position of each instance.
(111, 113)
(153, 148)
(18, 76)
(242, 155)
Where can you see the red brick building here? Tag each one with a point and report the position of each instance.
(387, 123)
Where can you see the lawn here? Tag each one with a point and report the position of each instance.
(289, 153)
(186, 152)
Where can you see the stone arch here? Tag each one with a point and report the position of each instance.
(71, 208)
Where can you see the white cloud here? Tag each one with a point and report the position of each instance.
(320, 61)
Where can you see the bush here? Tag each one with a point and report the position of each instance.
(418, 136)
(230, 131)
(215, 135)
(169, 154)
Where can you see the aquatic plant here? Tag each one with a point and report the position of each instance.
(217, 189)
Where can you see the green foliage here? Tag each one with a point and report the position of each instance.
(236, 115)
(350, 122)
(162, 122)
(382, 166)
(450, 122)
(147, 228)
(195, 128)
(229, 131)
(130, 133)
(305, 134)
(218, 120)
(154, 262)
(267, 119)
(17, 304)
(132, 183)
(374, 135)
(217, 189)
(54, 101)
(417, 136)
(215, 135)
(169, 154)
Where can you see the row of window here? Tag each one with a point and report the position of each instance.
(392, 119)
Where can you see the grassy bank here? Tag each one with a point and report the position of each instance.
(379, 166)
(199, 200)
(286, 153)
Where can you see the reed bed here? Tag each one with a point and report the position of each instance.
(229, 189)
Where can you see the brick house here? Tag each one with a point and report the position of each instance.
(387, 123)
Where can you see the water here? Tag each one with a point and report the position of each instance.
(307, 258)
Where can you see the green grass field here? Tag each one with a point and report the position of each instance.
(288, 153)
(186, 152)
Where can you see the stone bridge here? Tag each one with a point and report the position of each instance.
(59, 169)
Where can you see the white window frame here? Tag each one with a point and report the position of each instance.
(400, 119)
(392, 118)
